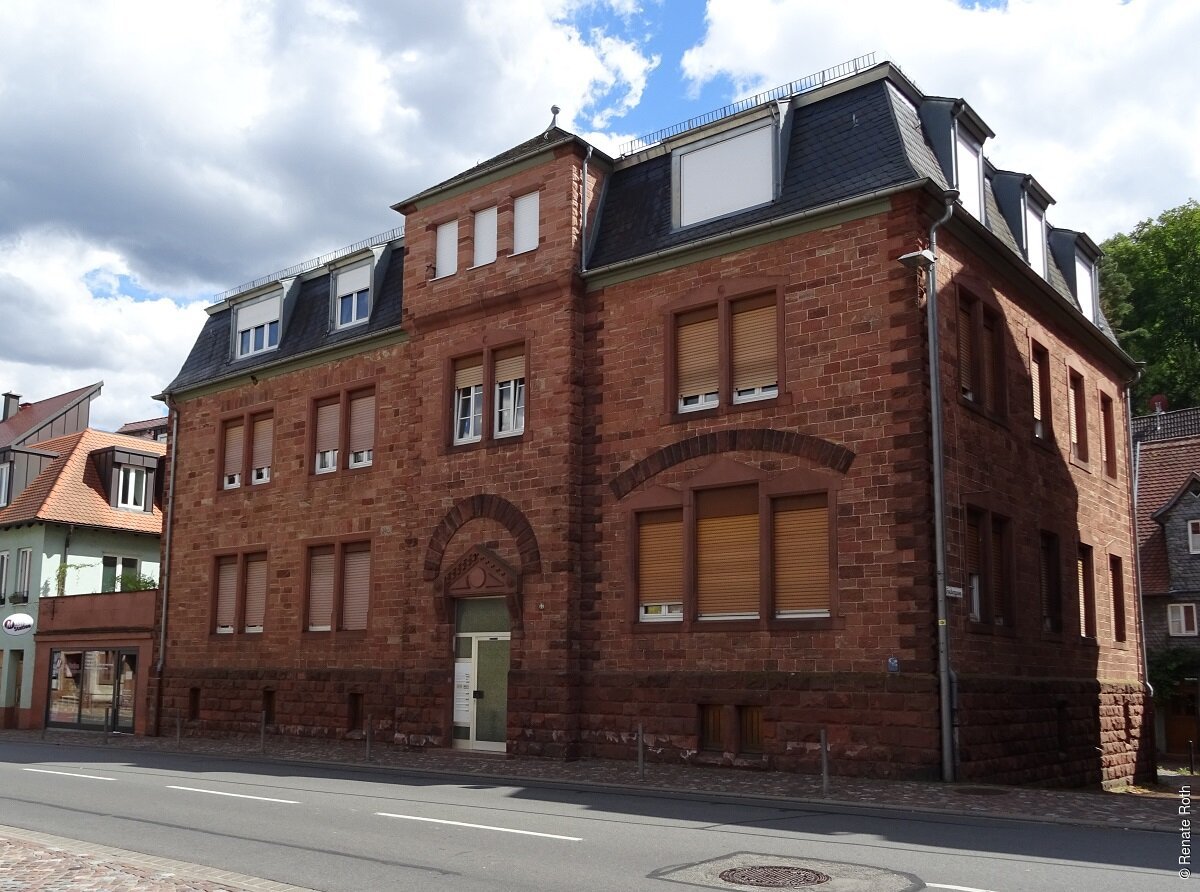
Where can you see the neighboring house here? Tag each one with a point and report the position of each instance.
(1167, 454)
(150, 429)
(607, 443)
(79, 561)
(23, 425)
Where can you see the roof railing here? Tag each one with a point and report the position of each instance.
(300, 268)
(792, 88)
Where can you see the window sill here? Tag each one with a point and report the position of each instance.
(336, 473)
(1047, 443)
(1081, 463)
(1089, 641)
(493, 442)
(983, 411)
(256, 487)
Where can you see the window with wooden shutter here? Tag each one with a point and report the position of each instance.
(356, 585)
(712, 727)
(1077, 418)
(256, 592)
(974, 555)
(966, 352)
(261, 449)
(660, 565)
(468, 400)
(227, 582)
(1050, 584)
(1108, 452)
(1039, 373)
(326, 443)
(800, 555)
(754, 347)
(362, 429)
(987, 366)
(320, 588)
(697, 359)
(1116, 582)
(231, 474)
(750, 731)
(998, 583)
(727, 538)
(1087, 592)
(508, 372)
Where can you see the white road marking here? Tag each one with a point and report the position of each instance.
(234, 795)
(69, 774)
(954, 888)
(384, 814)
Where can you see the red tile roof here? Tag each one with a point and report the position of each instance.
(1163, 466)
(33, 415)
(69, 490)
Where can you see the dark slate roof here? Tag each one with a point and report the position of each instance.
(846, 145)
(32, 416)
(551, 137)
(1167, 425)
(307, 329)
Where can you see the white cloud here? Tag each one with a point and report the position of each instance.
(1096, 99)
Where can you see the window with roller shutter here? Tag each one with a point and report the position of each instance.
(1077, 416)
(981, 367)
(1108, 436)
(468, 400)
(800, 552)
(261, 450)
(509, 407)
(727, 549)
(320, 588)
(1086, 585)
(488, 396)
(356, 585)
(1039, 374)
(226, 595)
(256, 593)
(1050, 583)
(362, 429)
(233, 454)
(339, 586)
(245, 451)
(240, 592)
(326, 437)
(724, 353)
(660, 565)
(987, 567)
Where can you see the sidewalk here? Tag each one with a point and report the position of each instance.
(1143, 810)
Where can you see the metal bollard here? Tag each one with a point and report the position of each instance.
(824, 764)
(641, 754)
(107, 719)
(262, 732)
(369, 723)
(178, 730)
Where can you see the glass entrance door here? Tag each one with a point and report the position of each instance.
(125, 695)
(481, 666)
(490, 725)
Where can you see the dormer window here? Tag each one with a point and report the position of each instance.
(1085, 286)
(968, 165)
(131, 488)
(257, 325)
(1035, 237)
(352, 296)
(5, 474)
(724, 174)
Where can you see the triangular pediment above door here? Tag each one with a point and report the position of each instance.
(481, 573)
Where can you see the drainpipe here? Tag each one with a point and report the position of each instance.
(947, 683)
(583, 200)
(1135, 450)
(164, 573)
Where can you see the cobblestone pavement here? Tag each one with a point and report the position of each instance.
(1147, 809)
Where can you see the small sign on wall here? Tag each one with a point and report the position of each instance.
(462, 692)
(954, 591)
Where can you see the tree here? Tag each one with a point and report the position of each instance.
(1150, 292)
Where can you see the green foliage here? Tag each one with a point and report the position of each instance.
(137, 582)
(1150, 292)
(1168, 668)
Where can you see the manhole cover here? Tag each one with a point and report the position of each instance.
(770, 876)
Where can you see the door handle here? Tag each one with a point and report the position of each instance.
(478, 695)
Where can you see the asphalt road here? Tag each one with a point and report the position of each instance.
(347, 830)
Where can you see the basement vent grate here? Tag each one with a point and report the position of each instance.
(769, 876)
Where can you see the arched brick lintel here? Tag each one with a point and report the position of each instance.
(820, 452)
(494, 508)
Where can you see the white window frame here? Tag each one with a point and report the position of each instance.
(715, 208)
(971, 199)
(24, 571)
(1177, 620)
(1085, 272)
(3, 574)
(975, 596)
(326, 461)
(231, 481)
(261, 331)
(527, 225)
(697, 401)
(1194, 536)
(515, 413)
(470, 399)
(445, 260)
(484, 237)
(5, 476)
(120, 562)
(356, 294)
(260, 475)
(751, 394)
(1035, 238)
(661, 612)
(361, 459)
(133, 472)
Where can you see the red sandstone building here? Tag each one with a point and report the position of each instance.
(605, 442)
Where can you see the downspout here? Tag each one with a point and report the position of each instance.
(1135, 450)
(583, 201)
(165, 570)
(947, 683)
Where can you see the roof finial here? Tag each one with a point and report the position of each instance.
(554, 110)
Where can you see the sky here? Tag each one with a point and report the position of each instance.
(154, 154)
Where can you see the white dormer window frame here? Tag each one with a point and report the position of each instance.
(131, 488)
(1036, 250)
(968, 172)
(351, 293)
(1085, 285)
(5, 477)
(725, 174)
(256, 325)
